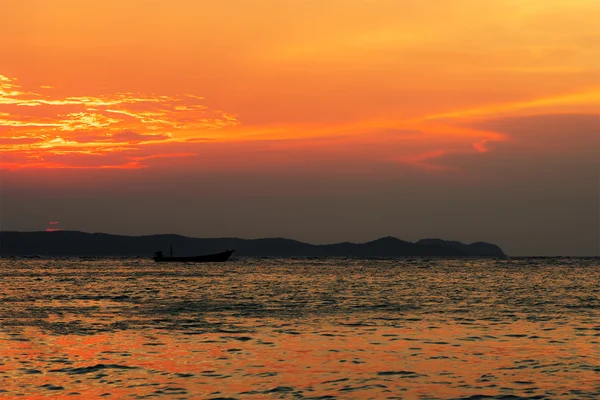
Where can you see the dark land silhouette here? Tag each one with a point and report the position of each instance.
(74, 243)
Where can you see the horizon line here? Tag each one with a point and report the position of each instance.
(241, 238)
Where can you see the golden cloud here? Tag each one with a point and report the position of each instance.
(35, 127)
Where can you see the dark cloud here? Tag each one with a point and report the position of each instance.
(572, 129)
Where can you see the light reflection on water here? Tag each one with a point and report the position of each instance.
(296, 328)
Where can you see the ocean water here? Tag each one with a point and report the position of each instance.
(409, 328)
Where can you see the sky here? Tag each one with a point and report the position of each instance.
(317, 120)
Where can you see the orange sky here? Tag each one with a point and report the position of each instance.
(464, 91)
(118, 84)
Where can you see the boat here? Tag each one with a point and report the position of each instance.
(217, 257)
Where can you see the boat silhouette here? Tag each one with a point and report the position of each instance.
(217, 257)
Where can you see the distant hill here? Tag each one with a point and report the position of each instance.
(74, 243)
(473, 249)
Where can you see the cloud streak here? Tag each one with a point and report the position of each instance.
(133, 131)
(35, 127)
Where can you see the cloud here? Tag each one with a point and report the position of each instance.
(424, 160)
(550, 150)
(134, 138)
(11, 141)
(85, 160)
(557, 104)
(121, 130)
(543, 124)
(559, 134)
(37, 128)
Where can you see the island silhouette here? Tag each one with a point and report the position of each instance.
(75, 243)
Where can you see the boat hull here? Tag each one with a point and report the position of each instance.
(218, 257)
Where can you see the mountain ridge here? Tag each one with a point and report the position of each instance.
(76, 243)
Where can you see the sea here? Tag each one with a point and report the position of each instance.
(300, 328)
